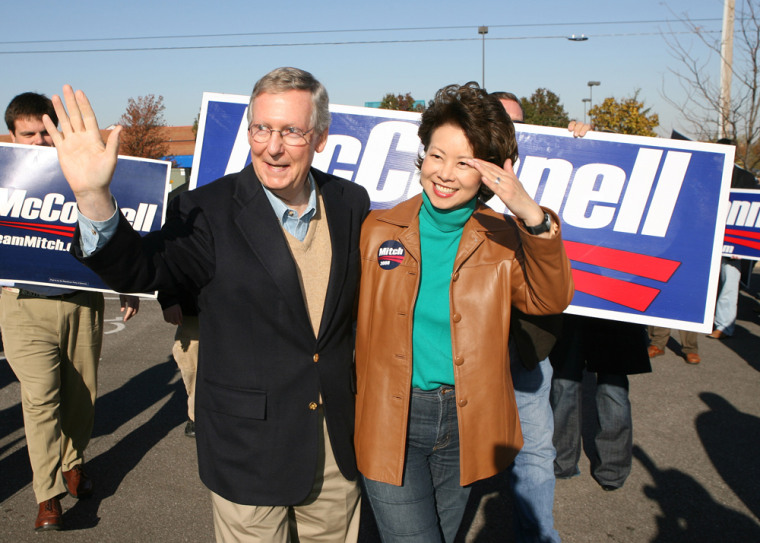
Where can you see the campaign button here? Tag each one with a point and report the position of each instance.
(390, 254)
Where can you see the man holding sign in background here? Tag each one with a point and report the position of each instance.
(730, 266)
(52, 340)
(272, 252)
(531, 476)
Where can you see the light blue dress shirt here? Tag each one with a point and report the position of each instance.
(95, 234)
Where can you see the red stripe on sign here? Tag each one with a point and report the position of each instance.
(58, 231)
(621, 292)
(743, 242)
(743, 233)
(651, 267)
(30, 225)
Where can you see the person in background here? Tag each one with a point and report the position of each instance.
(182, 311)
(659, 336)
(52, 339)
(730, 267)
(612, 350)
(531, 476)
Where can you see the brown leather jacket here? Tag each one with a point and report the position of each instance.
(498, 265)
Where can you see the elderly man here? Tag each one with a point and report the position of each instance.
(272, 253)
(53, 338)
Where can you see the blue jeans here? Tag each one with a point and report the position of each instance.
(531, 477)
(728, 296)
(430, 504)
(613, 431)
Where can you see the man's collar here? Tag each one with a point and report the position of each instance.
(283, 211)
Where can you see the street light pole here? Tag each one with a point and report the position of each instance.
(483, 30)
(591, 85)
(585, 101)
(726, 61)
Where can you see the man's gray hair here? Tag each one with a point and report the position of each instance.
(285, 79)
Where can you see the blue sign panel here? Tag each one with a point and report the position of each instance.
(642, 218)
(38, 213)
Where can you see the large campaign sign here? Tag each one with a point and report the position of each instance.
(742, 236)
(38, 213)
(642, 217)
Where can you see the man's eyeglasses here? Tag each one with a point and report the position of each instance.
(290, 136)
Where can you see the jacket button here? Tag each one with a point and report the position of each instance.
(315, 358)
(455, 276)
(457, 317)
(313, 406)
(462, 402)
(459, 360)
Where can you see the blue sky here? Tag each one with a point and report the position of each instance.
(525, 49)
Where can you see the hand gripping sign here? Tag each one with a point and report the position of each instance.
(38, 214)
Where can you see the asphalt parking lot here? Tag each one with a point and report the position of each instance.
(696, 473)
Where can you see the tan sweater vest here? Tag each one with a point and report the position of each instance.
(313, 255)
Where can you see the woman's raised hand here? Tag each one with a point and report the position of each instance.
(504, 184)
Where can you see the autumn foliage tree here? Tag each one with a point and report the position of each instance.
(143, 123)
(629, 116)
(544, 108)
(401, 102)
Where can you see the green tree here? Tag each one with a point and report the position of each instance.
(625, 117)
(401, 102)
(544, 108)
(143, 128)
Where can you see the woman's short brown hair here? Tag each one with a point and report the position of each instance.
(481, 117)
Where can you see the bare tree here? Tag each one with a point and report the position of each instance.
(143, 133)
(699, 78)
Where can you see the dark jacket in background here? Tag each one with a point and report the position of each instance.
(613, 347)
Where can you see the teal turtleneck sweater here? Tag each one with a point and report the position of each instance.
(440, 232)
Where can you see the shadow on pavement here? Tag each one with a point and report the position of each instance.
(6, 374)
(17, 472)
(112, 411)
(689, 513)
(731, 439)
(745, 344)
(116, 408)
(495, 497)
(133, 397)
(11, 418)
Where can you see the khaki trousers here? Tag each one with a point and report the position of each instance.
(330, 514)
(659, 337)
(53, 347)
(185, 353)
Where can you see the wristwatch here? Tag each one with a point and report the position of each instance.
(541, 228)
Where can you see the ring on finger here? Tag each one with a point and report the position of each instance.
(497, 180)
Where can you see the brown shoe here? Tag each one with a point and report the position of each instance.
(655, 351)
(49, 516)
(78, 483)
(717, 334)
(693, 358)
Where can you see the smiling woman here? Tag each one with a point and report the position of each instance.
(435, 407)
